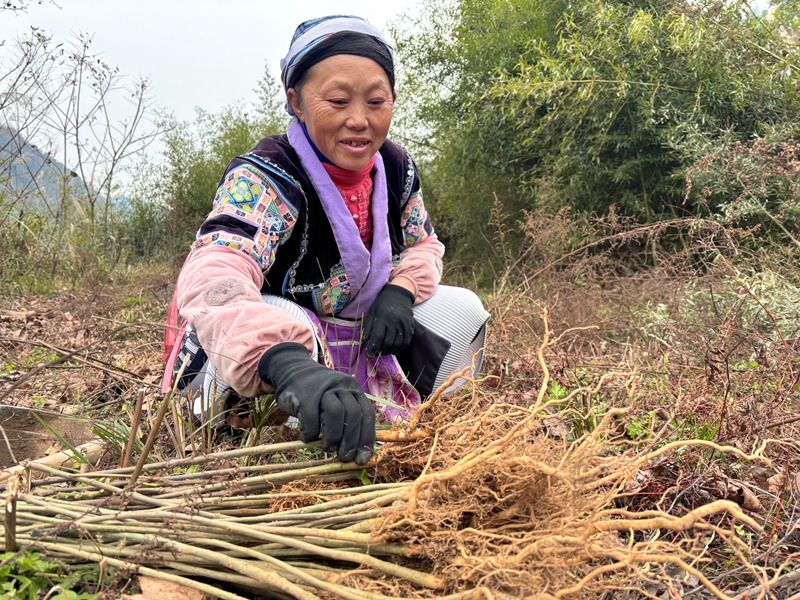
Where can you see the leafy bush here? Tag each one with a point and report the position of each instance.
(170, 195)
(751, 184)
(588, 104)
(197, 153)
(750, 300)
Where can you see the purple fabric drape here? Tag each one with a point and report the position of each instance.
(367, 271)
(380, 376)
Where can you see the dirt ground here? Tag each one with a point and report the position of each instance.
(84, 353)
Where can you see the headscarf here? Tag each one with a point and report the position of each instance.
(311, 33)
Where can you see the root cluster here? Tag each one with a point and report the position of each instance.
(531, 516)
(499, 507)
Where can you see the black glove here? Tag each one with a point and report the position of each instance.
(389, 324)
(325, 401)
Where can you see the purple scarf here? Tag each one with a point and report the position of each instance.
(367, 272)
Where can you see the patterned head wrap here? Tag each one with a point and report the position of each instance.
(310, 33)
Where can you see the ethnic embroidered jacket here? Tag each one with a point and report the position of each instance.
(272, 231)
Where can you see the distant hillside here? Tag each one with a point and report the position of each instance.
(29, 177)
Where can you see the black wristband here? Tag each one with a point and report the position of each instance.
(394, 289)
(274, 361)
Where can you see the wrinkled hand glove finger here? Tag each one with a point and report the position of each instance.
(376, 339)
(352, 425)
(309, 416)
(369, 323)
(394, 343)
(403, 338)
(411, 329)
(332, 419)
(408, 333)
(288, 402)
(366, 442)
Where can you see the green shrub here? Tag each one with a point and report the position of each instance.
(591, 104)
(197, 153)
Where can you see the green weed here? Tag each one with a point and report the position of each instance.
(556, 391)
(639, 429)
(28, 576)
(691, 429)
(38, 356)
(132, 301)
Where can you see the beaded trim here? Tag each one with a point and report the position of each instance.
(409, 181)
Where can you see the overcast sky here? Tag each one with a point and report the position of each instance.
(203, 53)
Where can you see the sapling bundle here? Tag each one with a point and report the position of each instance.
(219, 524)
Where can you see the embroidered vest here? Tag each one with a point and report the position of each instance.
(308, 268)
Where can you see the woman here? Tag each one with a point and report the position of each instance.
(317, 272)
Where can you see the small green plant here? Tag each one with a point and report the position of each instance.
(39, 356)
(28, 576)
(556, 391)
(637, 429)
(132, 301)
(116, 434)
(744, 533)
(641, 428)
(263, 408)
(364, 477)
(691, 429)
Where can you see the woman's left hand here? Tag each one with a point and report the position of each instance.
(389, 324)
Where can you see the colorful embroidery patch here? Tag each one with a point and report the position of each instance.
(413, 220)
(335, 295)
(223, 238)
(250, 196)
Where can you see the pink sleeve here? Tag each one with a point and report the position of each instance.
(421, 261)
(219, 294)
(422, 264)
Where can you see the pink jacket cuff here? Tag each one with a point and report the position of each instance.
(219, 294)
(421, 263)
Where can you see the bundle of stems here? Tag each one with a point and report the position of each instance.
(224, 525)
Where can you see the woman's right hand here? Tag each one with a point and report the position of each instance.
(325, 401)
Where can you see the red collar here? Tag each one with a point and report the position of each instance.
(345, 178)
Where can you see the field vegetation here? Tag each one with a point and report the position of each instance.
(619, 182)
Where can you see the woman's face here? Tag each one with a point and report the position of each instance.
(346, 104)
